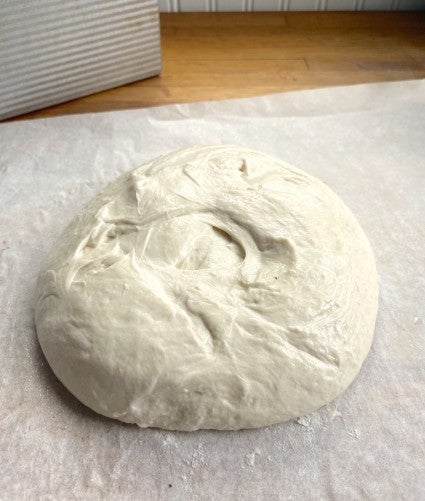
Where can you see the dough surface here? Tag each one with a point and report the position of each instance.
(214, 287)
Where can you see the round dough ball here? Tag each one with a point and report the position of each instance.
(214, 287)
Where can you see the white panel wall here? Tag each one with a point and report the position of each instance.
(271, 5)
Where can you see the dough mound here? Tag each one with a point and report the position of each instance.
(214, 287)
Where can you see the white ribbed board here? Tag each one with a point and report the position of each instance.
(52, 51)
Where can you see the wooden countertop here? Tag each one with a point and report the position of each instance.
(225, 55)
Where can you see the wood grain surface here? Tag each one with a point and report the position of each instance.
(225, 55)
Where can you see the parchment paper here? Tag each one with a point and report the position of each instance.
(368, 144)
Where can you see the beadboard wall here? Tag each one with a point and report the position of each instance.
(284, 5)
